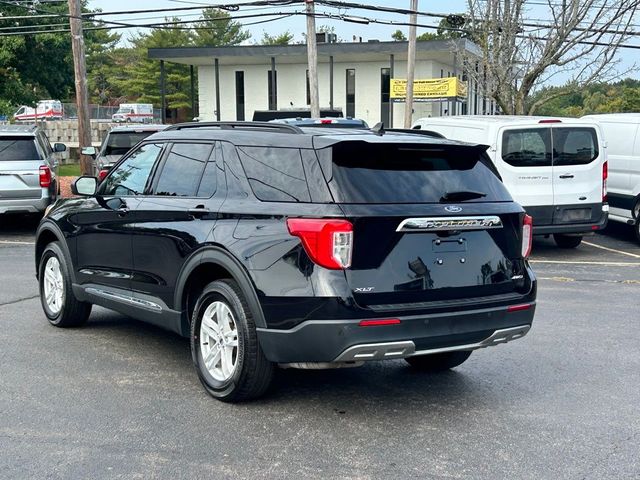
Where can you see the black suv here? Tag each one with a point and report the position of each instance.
(270, 244)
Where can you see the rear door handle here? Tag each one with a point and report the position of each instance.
(199, 211)
(566, 175)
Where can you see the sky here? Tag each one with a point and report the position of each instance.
(295, 25)
(630, 59)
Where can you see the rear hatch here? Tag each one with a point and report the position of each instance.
(433, 225)
(20, 162)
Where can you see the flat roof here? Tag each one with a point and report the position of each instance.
(358, 51)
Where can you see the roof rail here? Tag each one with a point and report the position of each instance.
(426, 133)
(265, 126)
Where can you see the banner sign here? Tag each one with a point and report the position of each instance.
(429, 89)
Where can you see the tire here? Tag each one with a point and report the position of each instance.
(59, 303)
(248, 373)
(566, 241)
(438, 362)
(636, 216)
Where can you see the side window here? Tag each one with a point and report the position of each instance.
(182, 171)
(130, 177)
(527, 147)
(46, 145)
(209, 182)
(275, 174)
(574, 146)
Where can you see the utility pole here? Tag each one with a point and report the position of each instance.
(82, 94)
(411, 65)
(312, 54)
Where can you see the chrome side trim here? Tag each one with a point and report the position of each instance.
(439, 224)
(390, 350)
(138, 302)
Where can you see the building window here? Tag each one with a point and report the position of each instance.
(351, 92)
(385, 95)
(240, 96)
(272, 77)
(308, 89)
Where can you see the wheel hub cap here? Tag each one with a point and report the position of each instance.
(53, 285)
(219, 341)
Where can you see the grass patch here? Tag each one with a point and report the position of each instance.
(69, 170)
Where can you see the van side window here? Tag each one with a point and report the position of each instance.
(527, 147)
(574, 146)
(182, 171)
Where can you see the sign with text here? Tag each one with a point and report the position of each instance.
(429, 89)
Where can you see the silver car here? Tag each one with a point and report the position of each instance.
(28, 169)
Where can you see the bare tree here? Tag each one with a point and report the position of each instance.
(580, 41)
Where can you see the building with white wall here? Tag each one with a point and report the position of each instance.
(233, 82)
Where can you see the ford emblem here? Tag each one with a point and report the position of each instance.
(453, 209)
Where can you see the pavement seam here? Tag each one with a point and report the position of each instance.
(19, 300)
(621, 252)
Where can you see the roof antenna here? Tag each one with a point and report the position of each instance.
(378, 128)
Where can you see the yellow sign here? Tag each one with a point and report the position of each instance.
(430, 89)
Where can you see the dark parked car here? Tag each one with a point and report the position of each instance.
(117, 143)
(28, 169)
(268, 244)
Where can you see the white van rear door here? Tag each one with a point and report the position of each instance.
(523, 158)
(578, 155)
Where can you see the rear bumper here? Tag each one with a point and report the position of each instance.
(24, 205)
(346, 340)
(574, 228)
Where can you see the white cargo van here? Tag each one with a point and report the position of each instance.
(133, 113)
(554, 167)
(622, 133)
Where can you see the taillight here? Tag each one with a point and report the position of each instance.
(379, 322)
(527, 236)
(329, 243)
(605, 176)
(45, 176)
(102, 175)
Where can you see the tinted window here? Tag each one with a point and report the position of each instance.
(119, 143)
(208, 184)
(275, 174)
(18, 149)
(391, 173)
(527, 148)
(574, 146)
(182, 171)
(130, 177)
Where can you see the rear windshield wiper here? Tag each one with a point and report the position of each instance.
(461, 196)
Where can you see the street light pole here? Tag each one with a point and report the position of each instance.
(312, 54)
(82, 94)
(411, 65)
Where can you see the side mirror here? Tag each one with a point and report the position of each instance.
(85, 186)
(89, 151)
(59, 147)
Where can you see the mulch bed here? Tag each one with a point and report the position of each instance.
(65, 186)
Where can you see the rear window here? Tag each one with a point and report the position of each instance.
(119, 143)
(543, 147)
(390, 173)
(574, 146)
(18, 149)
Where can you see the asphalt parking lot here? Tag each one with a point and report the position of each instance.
(120, 399)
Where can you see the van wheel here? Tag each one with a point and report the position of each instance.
(438, 362)
(224, 345)
(636, 216)
(567, 241)
(59, 303)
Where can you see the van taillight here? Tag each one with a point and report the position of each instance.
(102, 175)
(329, 243)
(527, 236)
(45, 176)
(605, 176)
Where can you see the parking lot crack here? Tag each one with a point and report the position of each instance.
(19, 300)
